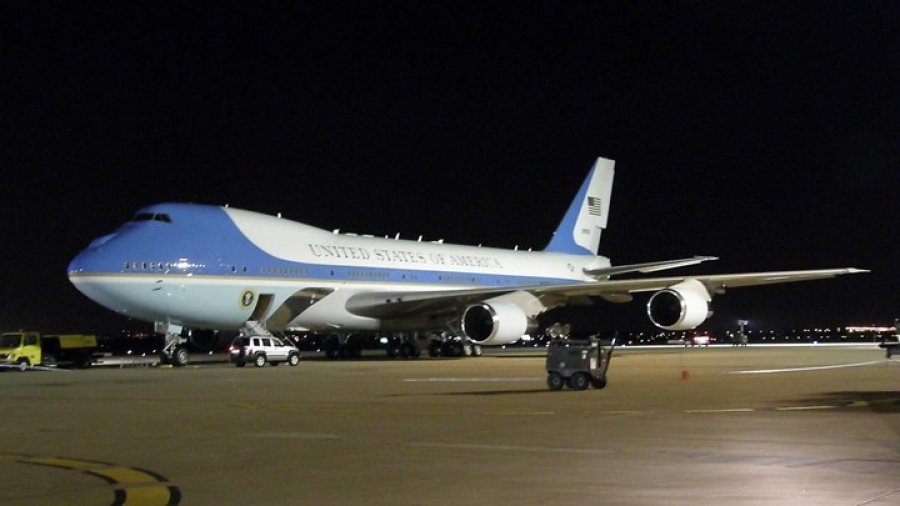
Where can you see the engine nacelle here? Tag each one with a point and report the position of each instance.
(495, 323)
(680, 307)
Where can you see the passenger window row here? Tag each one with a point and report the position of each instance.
(460, 279)
(167, 266)
(288, 271)
(368, 275)
(149, 266)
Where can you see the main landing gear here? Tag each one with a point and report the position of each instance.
(403, 346)
(445, 345)
(351, 346)
(343, 346)
(400, 345)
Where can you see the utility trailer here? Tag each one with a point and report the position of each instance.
(578, 363)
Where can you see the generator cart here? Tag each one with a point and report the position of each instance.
(578, 363)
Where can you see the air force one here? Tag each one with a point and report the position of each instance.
(190, 266)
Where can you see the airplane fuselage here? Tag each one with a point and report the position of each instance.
(217, 267)
(202, 266)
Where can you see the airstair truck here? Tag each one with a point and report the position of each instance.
(23, 349)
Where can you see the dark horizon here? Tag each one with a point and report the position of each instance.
(765, 135)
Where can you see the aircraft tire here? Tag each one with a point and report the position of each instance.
(180, 357)
(354, 349)
(434, 348)
(453, 349)
(598, 383)
(332, 347)
(392, 350)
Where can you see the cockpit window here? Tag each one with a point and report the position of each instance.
(152, 217)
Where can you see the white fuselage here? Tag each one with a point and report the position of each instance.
(304, 274)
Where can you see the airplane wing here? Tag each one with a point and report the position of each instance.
(391, 305)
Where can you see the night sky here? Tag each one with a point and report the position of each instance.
(763, 133)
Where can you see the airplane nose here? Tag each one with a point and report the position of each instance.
(83, 263)
(91, 259)
(83, 259)
(77, 265)
(87, 273)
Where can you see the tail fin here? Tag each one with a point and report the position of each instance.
(579, 231)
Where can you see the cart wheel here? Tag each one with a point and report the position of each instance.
(598, 383)
(579, 381)
(555, 381)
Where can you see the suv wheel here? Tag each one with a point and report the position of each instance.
(259, 360)
(294, 359)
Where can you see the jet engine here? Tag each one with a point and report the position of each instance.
(495, 323)
(680, 307)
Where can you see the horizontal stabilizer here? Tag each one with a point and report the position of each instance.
(604, 272)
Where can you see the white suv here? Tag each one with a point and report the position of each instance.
(259, 350)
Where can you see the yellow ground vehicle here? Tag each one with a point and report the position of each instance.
(31, 348)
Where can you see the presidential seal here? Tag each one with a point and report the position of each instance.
(247, 298)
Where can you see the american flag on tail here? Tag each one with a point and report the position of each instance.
(595, 206)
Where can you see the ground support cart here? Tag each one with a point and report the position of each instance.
(577, 363)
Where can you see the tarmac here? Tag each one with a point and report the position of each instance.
(737, 426)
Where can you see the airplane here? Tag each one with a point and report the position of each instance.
(190, 266)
